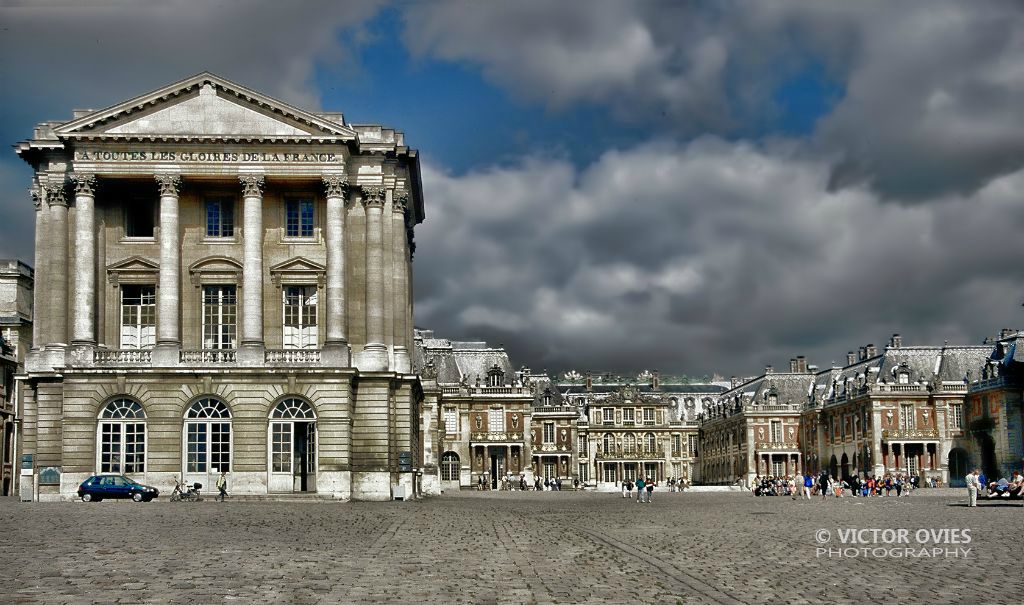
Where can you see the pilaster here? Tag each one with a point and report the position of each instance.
(375, 353)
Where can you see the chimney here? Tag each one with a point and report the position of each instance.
(861, 354)
(655, 382)
(801, 363)
(896, 341)
(1006, 333)
(769, 370)
(590, 381)
(851, 358)
(734, 382)
(792, 365)
(871, 351)
(812, 368)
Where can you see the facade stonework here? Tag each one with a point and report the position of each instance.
(223, 282)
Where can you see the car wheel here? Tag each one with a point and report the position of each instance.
(137, 497)
(87, 498)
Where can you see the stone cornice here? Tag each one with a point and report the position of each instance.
(85, 184)
(169, 184)
(336, 185)
(252, 185)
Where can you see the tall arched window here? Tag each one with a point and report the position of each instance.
(450, 466)
(651, 442)
(628, 444)
(121, 433)
(608, 443)
(292, 441)
(207, 437)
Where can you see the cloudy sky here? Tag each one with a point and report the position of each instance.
(695, 187)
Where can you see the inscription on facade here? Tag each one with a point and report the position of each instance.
(208, 157)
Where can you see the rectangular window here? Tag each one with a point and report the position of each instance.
(776, 431)
(496, 420)
(628, 414)
(581, 448)
(609, 473)
(220, 217)
(956, 416)
(677, 445)
(692, 444)
(907, 416)
(549, 432)
(139, 218)
(451, 421)
(299, 217)
(138, 317)
(281, 449)
(300, 329)
(609, 415)
(220, 309)
(648, 415)
(584, 475)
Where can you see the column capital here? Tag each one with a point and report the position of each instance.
(373, 196)
(336, 185)
(400, 202)
(252, 185)
(169, 184)
(37, 197)
(55, 193)
(85, 183)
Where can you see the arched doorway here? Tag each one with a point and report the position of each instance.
(450, 467)
(206, 434)
(987, 449)
(959, 466)
(833, 467)
(292, 446)
(121, 436)
(845, 468)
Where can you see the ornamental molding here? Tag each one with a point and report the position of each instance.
(37, 197)
(252, 185)
(85, 184)
(296, 271)
(133, 270)
(169, 184)
(373, 196)
(336, 185)
(400, 202)
(55, 192)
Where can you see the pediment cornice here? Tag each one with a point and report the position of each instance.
(94, 125)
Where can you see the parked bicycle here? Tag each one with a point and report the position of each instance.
(184, 492)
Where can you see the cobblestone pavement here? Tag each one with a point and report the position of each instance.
(495, 547)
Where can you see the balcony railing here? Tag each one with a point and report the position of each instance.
(636, 454)
(296, 356)
(910, 434)
(208, 356)
(119, 356)
(496, 437)
(778, 446)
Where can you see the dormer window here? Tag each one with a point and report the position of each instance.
(903, 378)
(546, 399)
(773, 399)
(495, 376)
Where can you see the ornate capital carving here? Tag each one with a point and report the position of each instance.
(400, 201)
(37, 197)
(252, 185)
(169, 184)
(373, 196)
(55, 192)
(85, 184)
(336, 185)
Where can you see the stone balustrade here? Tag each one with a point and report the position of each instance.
(292, 356)
(208, 356)
(895, 435)
(122, 356)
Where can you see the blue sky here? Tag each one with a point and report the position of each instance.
(695, 187)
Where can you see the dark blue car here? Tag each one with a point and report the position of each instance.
(98, 487)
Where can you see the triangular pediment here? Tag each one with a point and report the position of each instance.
(298, 265)
(134, 263)
(206, 107)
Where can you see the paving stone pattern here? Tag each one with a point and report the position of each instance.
(499, 547)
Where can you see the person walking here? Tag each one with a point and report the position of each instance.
(823, 484)
(640, 490)
(808, 484)
(650, 489)
(973, 485)
(222, 486)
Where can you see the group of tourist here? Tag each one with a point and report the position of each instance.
(825, 485)
(1002, 488)
(512, 483)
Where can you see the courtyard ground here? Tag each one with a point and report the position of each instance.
(502, 547)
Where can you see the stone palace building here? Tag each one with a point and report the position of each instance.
(223, 283)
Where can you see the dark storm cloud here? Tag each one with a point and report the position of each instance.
(769, 264)
(931, 90)
(57, 58)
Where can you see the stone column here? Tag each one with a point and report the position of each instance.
(41, 320)
(400, 280)
(57, 242)
(375, 352)
(168, 298)
(84, 317)
(251, 345)
(336, 351)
